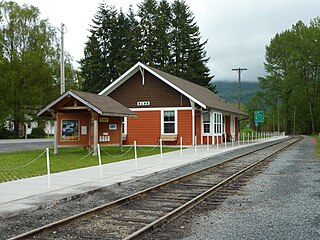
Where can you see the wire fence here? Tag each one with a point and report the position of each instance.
(14, 169)
(116, 156)
(31, 166)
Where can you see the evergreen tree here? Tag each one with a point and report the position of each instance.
(111, 49)
(159, 35)
(97, 66)
(133, 36)
(147, 12)
(188, 54)
(92, 69)
(162, 36)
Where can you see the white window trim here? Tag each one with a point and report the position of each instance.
(232, 126)
(175, 122)
(202, 125)
(125, 125)
(214, 123)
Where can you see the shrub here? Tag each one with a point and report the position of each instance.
(37, 133)
(5, 133)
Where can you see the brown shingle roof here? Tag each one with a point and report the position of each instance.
(200, 93)
(103, 105)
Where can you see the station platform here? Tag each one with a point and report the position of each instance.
(32, 193)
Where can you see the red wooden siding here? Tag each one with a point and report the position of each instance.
(227, 124)
(185, 126)
(145, 129)
(206, 139)
(104, 131)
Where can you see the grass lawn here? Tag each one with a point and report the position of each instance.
(25, 164)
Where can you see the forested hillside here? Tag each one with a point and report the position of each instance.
(229, 90)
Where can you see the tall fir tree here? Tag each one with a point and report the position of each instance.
(188, 53)
(147, 12)
(161, 35)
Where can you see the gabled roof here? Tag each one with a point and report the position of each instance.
(103, 105)
(198, 94)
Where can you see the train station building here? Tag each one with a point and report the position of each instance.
(86, 119)
(172, 109)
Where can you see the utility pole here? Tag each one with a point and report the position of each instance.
(62, 81)
(239, 70)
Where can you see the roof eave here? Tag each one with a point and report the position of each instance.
(121, 79)
(46, 108)
(119, 115)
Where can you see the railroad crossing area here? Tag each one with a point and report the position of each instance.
(32, 193)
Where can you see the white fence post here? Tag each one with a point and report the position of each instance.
(217, 142)
(99, 159)
(135, 155)
(180, 147)
(161, 157)
(195, 145)
(225, 140)
(208, 143)
(48, 169)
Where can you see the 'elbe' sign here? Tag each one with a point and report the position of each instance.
(143, 103)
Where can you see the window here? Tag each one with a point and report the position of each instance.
(70, 130)
(217, 123)
(206, 122)
(124, 125)
(169, 121)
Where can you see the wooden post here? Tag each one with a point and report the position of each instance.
(121, 135)
(95, 136)
(55, 132)
(95, 118)
(55, 143)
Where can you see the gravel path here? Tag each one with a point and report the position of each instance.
(283, 202)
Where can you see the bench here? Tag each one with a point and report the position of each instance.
(168, 138)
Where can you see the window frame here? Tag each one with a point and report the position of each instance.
(217, 123)
(207, 122)
(163, 122)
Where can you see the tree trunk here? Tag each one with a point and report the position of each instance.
(16, 128)
(311, 117)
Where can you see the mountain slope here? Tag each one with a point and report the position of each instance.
(229, 90)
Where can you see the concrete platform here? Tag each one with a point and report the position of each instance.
(31, 193)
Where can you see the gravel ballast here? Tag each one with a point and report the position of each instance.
(283, 202)
(25, 220)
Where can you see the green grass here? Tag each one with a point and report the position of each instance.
(18, 165)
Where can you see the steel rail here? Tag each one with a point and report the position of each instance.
(170, 216)
(200, 198)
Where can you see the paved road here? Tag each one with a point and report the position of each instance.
(24, 144)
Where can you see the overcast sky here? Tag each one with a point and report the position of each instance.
(237, 30)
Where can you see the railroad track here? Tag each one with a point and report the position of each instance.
(136, 215)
